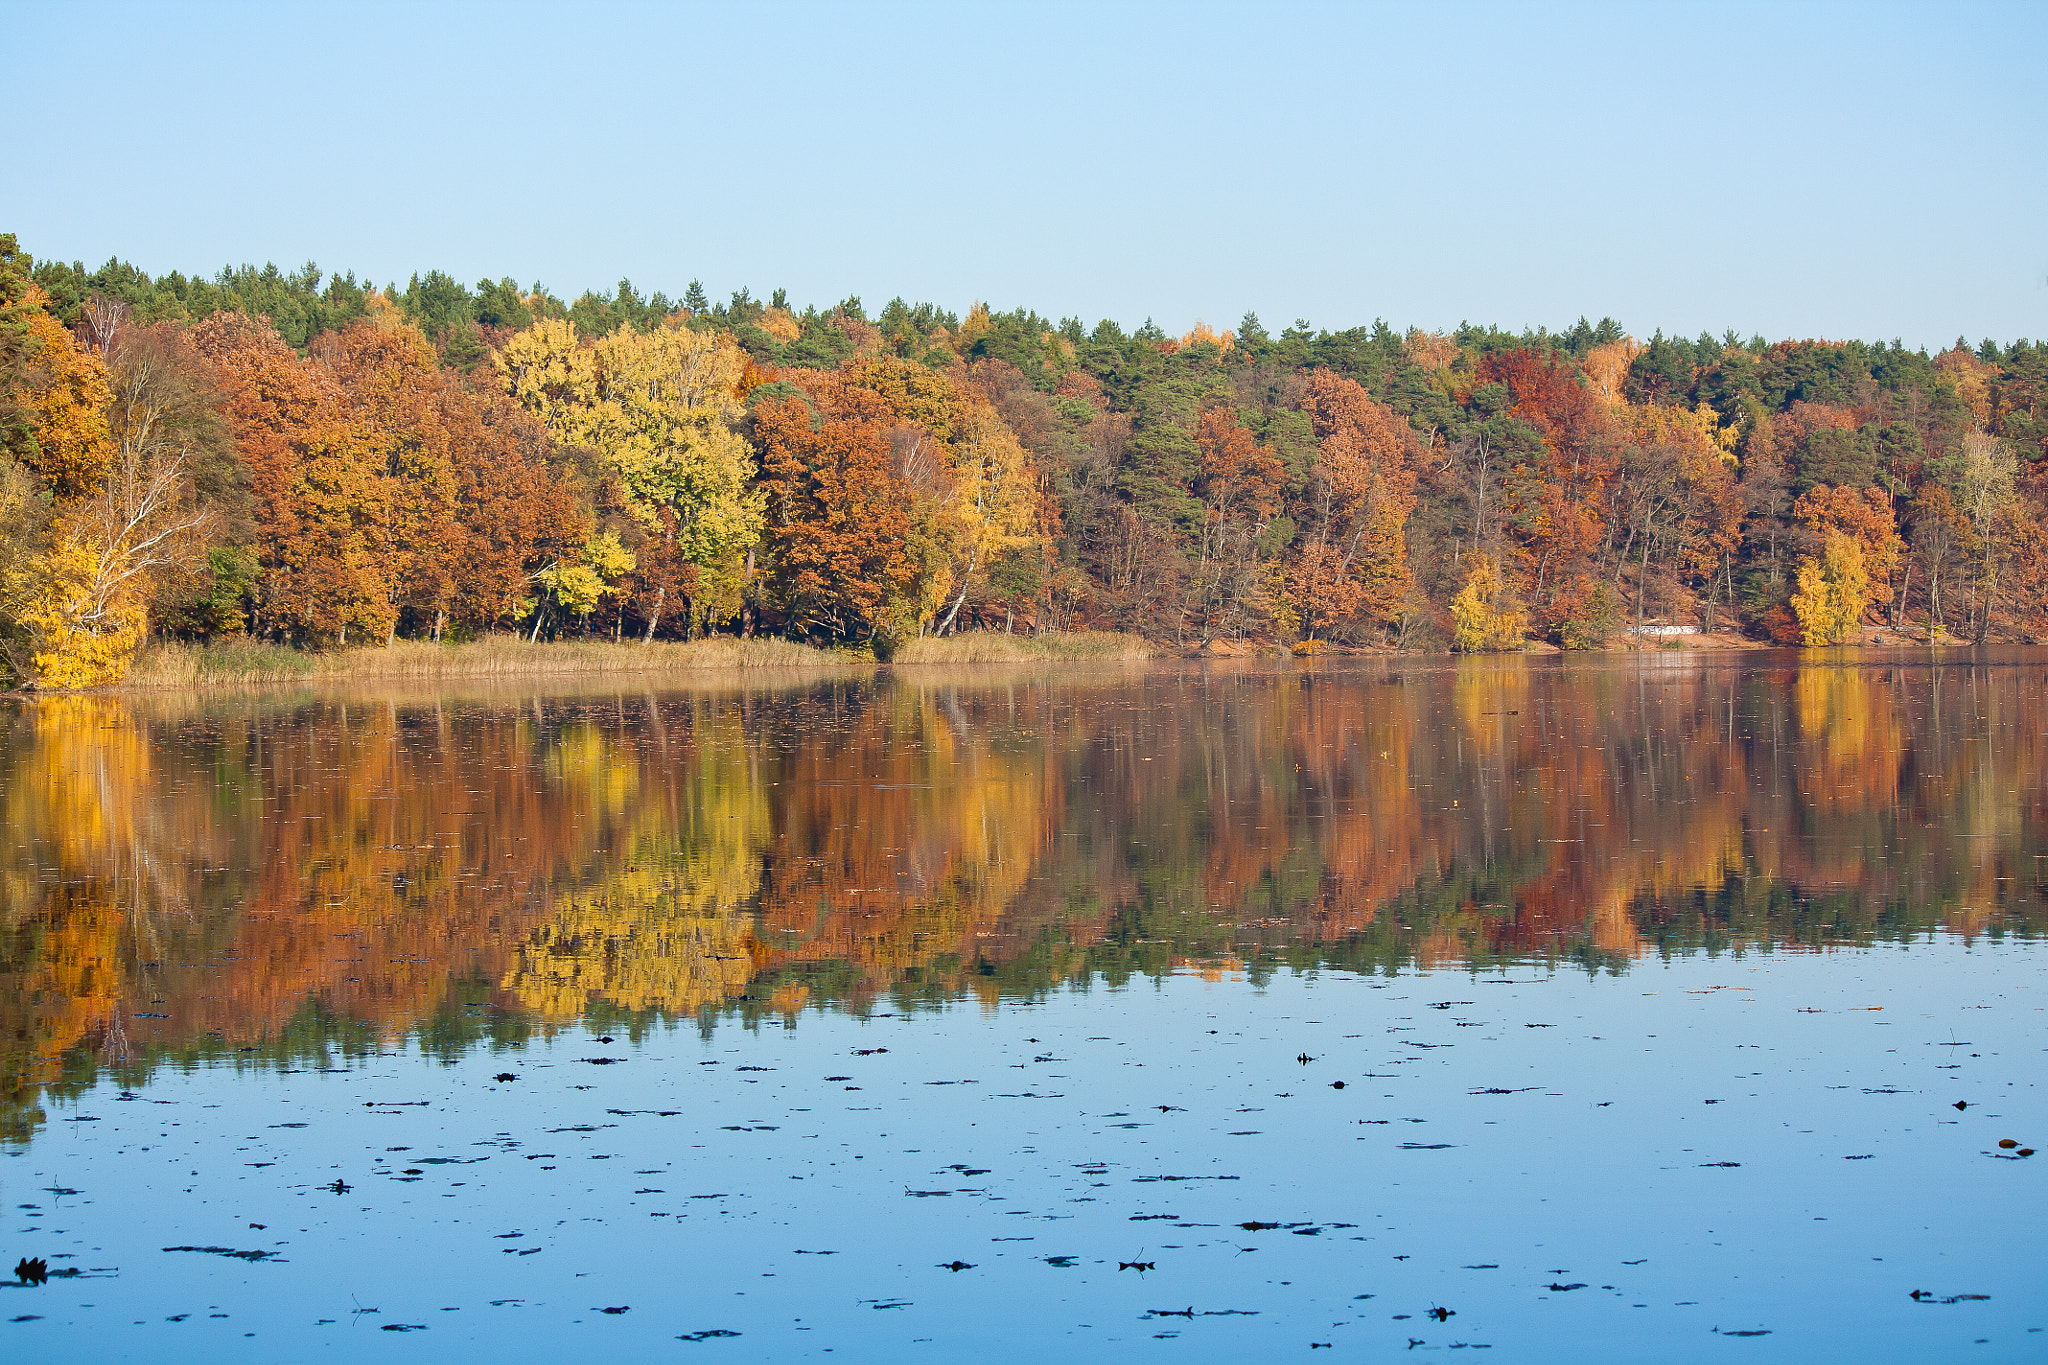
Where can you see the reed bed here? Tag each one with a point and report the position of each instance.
(992, 647)
(249, 662)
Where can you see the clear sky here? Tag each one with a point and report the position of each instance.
(1871, 170)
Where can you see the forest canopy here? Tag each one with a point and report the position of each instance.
(319, 461)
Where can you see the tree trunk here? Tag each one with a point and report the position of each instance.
(440, 620)
(747, 600)
(654, 618)
(966, 579)
(1643, 579)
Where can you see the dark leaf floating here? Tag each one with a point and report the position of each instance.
(32, 1270)
(504, 1076)
(622, 1308)
(228, 1251)
(1564, 1288)
(706, 1334)
(955, 1266)
(1443, 1314)
(1137, 1265)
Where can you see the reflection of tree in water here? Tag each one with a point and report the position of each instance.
(287, 883)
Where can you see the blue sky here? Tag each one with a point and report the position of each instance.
(1800, 170)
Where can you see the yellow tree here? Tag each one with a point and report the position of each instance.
(66, 403)
(120, 511)
(580, 584)
(1865, 516)
(656, 408)
(1486, 614)
(1607, 366)
(993, 506)
(1832, 591)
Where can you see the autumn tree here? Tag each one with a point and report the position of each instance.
(1351, 561)
(1865, 516)
(1488, 615)
(383, 489)
(1987, 494)
(657, 408)
(1556, 496)
(973, 500)
(838, 522)
(1944, 547)
(1833, 588)
(1241, 487)
(94, 519)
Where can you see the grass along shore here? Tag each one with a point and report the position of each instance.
(993, 647)
(245, 662)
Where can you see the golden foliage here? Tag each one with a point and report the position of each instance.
(1431, 351)
(1203, 334)
(657, 407)
(1487, 615)
(1865, 516)
(1698, 430)
(1832, 592)
(1607, 366)
(66, 401)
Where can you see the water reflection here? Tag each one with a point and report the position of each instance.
(283, 880)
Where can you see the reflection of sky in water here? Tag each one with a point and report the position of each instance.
(275, 919)
(1107, 1127)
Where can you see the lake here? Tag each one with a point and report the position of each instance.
(1676, 1006)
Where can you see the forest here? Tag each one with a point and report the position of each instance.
(319, 462)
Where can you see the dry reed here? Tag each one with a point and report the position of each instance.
(989, 647)
(244, 662)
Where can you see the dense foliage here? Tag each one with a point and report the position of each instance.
(314, 460)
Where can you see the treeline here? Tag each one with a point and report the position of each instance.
(318, 461)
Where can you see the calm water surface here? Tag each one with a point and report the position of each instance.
(1657, 1009)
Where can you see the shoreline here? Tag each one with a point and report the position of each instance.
(241, 665)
